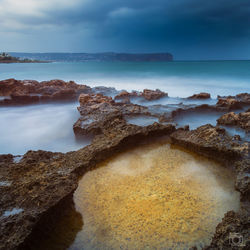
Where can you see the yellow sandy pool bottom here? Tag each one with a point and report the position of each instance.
(153, 197)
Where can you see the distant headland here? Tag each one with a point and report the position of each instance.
(7, 58)
(108, 56)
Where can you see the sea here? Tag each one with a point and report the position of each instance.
(49, 126)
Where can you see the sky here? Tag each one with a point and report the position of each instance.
(189, 29)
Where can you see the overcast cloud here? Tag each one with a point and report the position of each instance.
(190, 29)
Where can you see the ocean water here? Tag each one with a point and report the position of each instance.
(49, 126)
(179, 79)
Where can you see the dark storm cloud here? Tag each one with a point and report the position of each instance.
(185, 27)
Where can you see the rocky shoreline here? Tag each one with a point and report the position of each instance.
(37, 187)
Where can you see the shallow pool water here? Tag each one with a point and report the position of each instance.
(141, 120)
(153, 197)
(197, 119)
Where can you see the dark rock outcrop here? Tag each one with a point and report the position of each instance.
(153, 94)
(201, 95)
(96, 110)
(234, 102)
(212, 142)
(229, 233)
(241, 120)
(29, 91)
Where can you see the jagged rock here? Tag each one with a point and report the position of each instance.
(42, 183)
(29, 91)
(97, 109)
(147, 94)
(229, 103)
(153, 94)
(212, 142)
(122, 94)
(234, 225)
(241, 120)
(228, 119)
(201, 95)
(125, 94)
(244, 98)
(94, 99)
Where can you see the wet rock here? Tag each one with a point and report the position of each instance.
(242, 182)
(94, 99)
(97, 110)
(122, 94)
(29, 91)
(153, 94)
(244, 98)
(234, 102)
(34, 183)
(7, 158)
(229, 103)
(233, 230)
(201, 95)
(15, 87)
(212, 142)
(125, 94)
(241, 120)
(43, 182)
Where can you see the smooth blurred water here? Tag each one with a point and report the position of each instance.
(177, 78)
(50, 126)
(46, 127)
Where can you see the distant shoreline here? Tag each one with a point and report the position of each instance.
(22, 61)
(104, 57)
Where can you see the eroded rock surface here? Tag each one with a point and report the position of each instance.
(234, 102)
(97, 110)
(202, 95)
(153, 94)
(233, 226)
(30, 91)
(43, 182)
(147, 94)
(241, 120)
